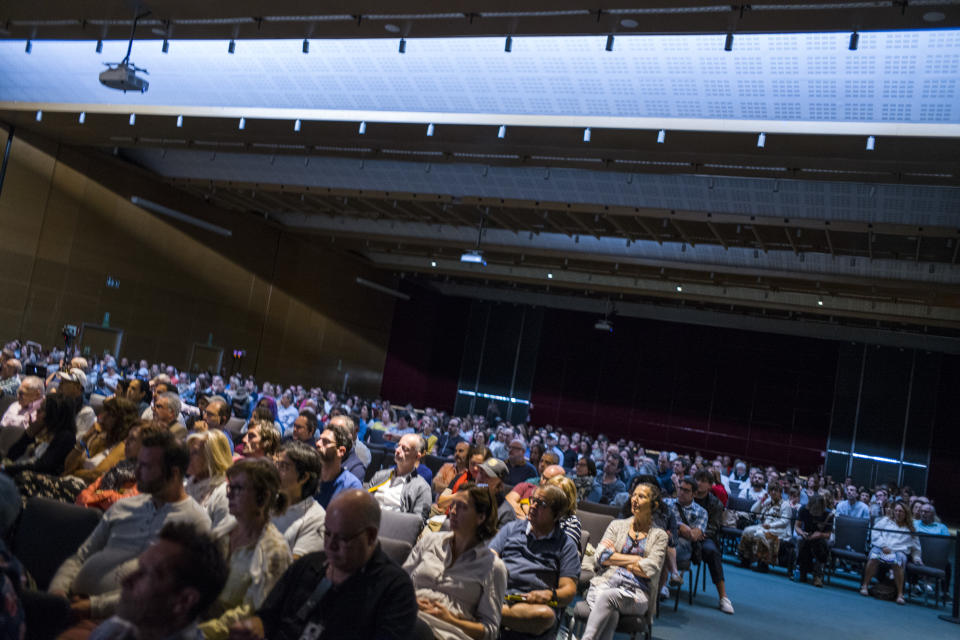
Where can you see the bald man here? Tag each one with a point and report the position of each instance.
(352, 590)
(519, 496)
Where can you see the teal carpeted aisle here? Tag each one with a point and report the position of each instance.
(769, 606)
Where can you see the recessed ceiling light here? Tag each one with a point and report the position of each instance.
(679, 288)
(392, 28)
(433, 263)
(629, 23)
(934, 16)
(549, 276)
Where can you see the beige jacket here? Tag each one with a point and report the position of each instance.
(652, 562)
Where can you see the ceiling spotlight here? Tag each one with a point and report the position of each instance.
(586, 134)
(165, 48)
(433, 263)
(661, 136)
(761, 140)
(99, 46)
(609, 46)
(296, 124)
(502, 131)
(549, 276)
(403, 46)
(29, 47)
(179, 121)
(679, 288)
(133, 119)
(508, 44)
(82, 117)
(242, 124)
(430, 130)
(854, 41)
(819, 302)
(232, 47)
(871, 143)
(39, 115)
(363, 128)
(306, 46)
(728, 43)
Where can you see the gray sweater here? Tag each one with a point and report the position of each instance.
(415, 497)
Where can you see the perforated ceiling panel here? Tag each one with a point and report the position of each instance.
(780, 198)
(902, 77)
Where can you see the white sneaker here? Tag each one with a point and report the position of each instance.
(726, 606)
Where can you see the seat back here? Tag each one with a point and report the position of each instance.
(9, 437)
(584, 541)
(740, 505)
(595, 524)
(400, 526)
(595, 507)
(734, 487)
(375, 436)
(851, 533)
(234, 426)
(49, 532)
(96, 402)
(376, 461)
(433, 463)
(935, 551)
(397, 550)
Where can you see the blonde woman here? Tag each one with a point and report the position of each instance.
(206, 473)
(569, 522)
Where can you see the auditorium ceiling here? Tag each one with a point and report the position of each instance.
(620, 154)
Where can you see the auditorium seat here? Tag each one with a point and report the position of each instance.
(47, 533)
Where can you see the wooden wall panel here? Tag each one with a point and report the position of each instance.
(293, 306)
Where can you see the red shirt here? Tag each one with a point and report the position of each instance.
(721, 493)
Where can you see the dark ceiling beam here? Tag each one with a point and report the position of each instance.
(62, 19)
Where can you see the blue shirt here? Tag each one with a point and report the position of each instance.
(858, 510)
(535, 563)
(937, 528)
(605, 493)
(344, 481)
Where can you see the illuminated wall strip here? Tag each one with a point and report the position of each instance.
(491, 396)
(878, 129)
(863, 456)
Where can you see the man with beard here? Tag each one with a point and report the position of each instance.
(91, 578)
(451, 470)
(176, 580)
(755, 491)
(334, 445)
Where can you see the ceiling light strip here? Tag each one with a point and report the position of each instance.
(878, 129)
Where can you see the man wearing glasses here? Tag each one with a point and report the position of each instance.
(352, 590)
(24, 411)
(543, 566)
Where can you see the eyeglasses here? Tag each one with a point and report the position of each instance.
(539, 502)
(339, 539)
(210, 414)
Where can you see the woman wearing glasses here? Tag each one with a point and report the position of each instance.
(256, 551)
(460, 582)
(628, 563)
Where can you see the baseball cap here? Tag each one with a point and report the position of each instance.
(73, 375)
(494, 468)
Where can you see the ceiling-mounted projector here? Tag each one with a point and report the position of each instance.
(474, 257)
(124, 77)
(603, 325)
